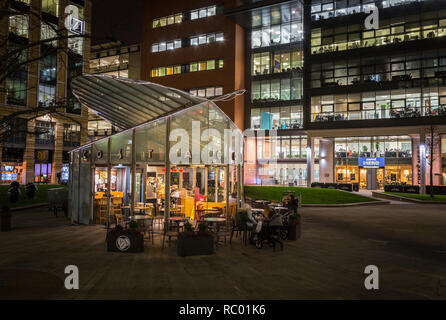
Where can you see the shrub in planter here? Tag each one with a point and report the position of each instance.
(122, 240)
(195, 244)
(294, 227)
(5, 219)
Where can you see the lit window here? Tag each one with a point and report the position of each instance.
(162, 46)
(219, 36)
(178, 18)
(193, 92)
(169, 71)
(193, 67)
(210, 92)
(218, 91)
(156, 23)
(154, 72)
(211, 11)
(203, 13)
(194, 15)
(194, 41)
(177, 70)
(202, 39)
(155, 47)
(220, 63)
(171, 20)
(211, 38)
(202, 66)
(202, 92)
(163, 22)
(177, 43)
(210, 65)
(169, 45)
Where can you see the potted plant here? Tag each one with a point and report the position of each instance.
(192, 243)
(294, 226)
(125, 240)
(6, 219)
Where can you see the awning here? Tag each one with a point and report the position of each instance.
(127, 103)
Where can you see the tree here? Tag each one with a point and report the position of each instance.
(18, 51)
(433, 144)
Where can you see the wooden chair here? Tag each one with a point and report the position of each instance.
(170, 231)
(120, 219)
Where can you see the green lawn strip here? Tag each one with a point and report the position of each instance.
(40, 197)
(309, 195)
(422, 197)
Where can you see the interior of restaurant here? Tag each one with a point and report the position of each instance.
(193, 187)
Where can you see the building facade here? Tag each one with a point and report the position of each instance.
(373, 93)
(193, 46)
(117, 60)
(37, 149)
(329, 98)
(276, 144)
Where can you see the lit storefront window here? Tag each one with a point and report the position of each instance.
(394, 153)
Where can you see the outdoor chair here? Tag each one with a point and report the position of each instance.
(170, 231)
(239, 227)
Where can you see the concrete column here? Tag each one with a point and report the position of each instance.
(29, 155)
(310, 160)
(86, 57)
(326, 160)
(58, 148)
(422, 155)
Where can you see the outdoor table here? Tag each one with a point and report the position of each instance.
(178, 220)
(216, 222)
(281, 209)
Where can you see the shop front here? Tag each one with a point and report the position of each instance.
(373, 161)
(180, 163)
(10, 172)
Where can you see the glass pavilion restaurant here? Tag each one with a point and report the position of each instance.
(172, 144)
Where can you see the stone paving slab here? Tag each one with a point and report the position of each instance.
(407, 243)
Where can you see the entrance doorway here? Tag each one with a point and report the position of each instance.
(371, 178)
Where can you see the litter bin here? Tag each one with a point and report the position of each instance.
(6, 220)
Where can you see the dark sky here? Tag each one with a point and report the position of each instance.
(120, 19)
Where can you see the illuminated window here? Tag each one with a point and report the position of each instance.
(210, 65)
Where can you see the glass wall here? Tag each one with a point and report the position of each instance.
(269, 90)
(204, 148)
(407, 70)
(277, 25)
(288, 117)
(385, 104)
(325, 9)
(426, 25)
(396, 151)
(277, 62)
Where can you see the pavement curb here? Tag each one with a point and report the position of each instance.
(354, 204)
(400, 198)
(31, 206)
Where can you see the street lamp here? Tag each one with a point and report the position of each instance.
(422, 168)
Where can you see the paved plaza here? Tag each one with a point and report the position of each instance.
(406, 242)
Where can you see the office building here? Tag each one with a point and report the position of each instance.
(37, 150)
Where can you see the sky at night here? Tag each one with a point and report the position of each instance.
(119, 19)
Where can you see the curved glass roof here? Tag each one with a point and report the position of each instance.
(127, 103)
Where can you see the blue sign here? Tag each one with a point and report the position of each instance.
(371, 162)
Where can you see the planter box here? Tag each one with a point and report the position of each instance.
(294, 229)
(125, 241)
(345, 187)
(195, 245)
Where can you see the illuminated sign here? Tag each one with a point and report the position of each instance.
(371, 162)
(72, 21)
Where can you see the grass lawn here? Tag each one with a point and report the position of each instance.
(422, 197)
(40, 197)
(309, 195)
